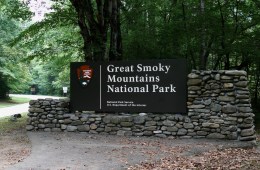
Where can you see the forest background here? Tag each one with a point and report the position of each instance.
(211, 35)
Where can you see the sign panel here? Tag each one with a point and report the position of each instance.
(134, 86)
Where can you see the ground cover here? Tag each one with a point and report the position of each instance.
(13, 101)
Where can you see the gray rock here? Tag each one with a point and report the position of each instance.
(207, 102)
(248, 138)
(106, 119)
(126, 124)
(226, 78)
(47, 130)
(76, 123)
(236, 72)
(50, 125)
(241, 84)
(244, 109)
(242, 115)
(63, 127)
(93, 126)
(217, 77)
(157, 131)
(232, 136)
(193, 82)
(121, 133)
(229, 109)
(150, 123)
(215, 107)
(228, 85)
(214, 86)
(83, 128)
(178, 117)
(71, 128)
(67, 121)
(179, 125)
(226, 99)
(108, 129)
(139, 134)
(46, 103)
(193, 76)
(139, 120)
(32, 102)
(182, 132)
(172, 129)
(202, 110)
(126, 118)
(161, 135)
(150, 128)
(196, 106)
(202, 133)
(194, 88)
(36, 110)
(114, 120)
(142, 114)
(188, 125)
(66, 116)
(54, 121)
(210, 125)
(248, 120)
(216, 136)
(148, 133)
(169, 123)
(217, 121)
(100, 129)
(41, 126)
(247, 132)
(164, 128)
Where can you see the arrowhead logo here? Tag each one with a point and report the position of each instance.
(85, 73)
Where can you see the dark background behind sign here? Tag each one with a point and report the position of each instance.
(89, 98)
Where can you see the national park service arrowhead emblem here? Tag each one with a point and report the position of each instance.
(85, 73)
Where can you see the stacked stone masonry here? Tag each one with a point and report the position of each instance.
(218, 107)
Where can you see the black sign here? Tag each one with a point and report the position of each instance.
(136, 86)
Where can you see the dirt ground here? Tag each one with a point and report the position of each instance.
(14, 147)
(74, 151)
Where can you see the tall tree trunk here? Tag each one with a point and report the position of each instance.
(225, 52)
(203, 51)
(189, 51)
(94, 25)
(115, 52)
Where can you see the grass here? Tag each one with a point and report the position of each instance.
(13, 101)
(7, 126)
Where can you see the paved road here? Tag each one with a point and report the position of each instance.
(21, 108)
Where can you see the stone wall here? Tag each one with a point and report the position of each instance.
(218, 107)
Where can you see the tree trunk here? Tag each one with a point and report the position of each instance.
(115, 52)
(203, 51)
(94, 24)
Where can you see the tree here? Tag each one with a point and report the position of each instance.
(11, 12)
(96, 19)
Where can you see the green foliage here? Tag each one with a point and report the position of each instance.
(12, 12)
(15, 9)
(222, 34)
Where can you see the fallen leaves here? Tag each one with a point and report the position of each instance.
(231, 158)
(14, 147)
